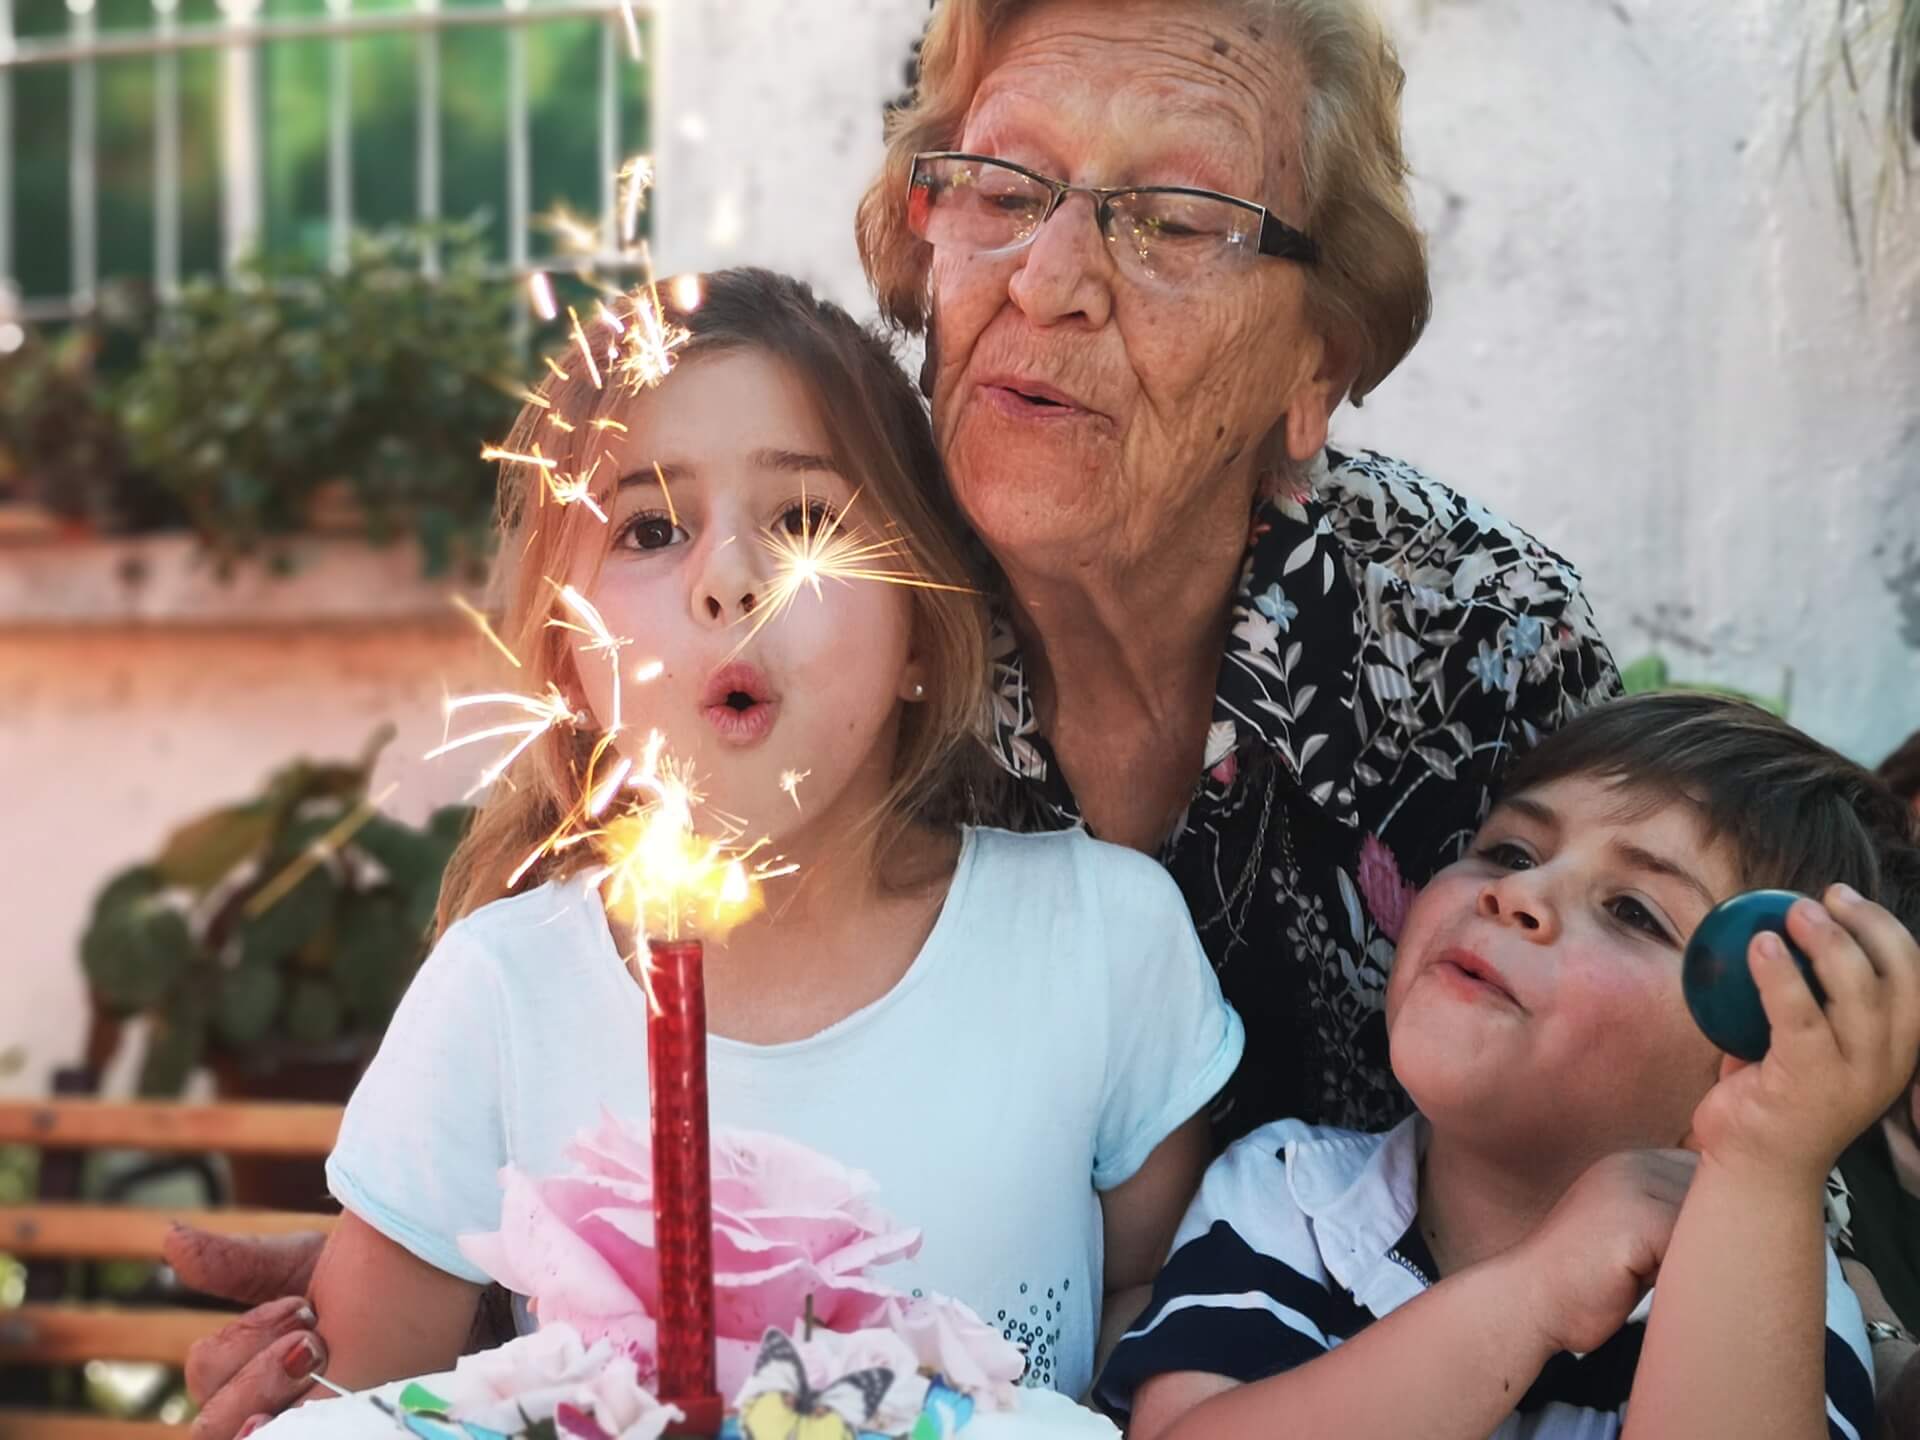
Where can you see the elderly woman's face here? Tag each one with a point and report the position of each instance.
(1160, 398)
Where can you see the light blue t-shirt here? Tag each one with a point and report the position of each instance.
(1059, 1023)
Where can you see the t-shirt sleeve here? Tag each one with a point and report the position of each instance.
(1172, 1039)
(424, 1136)
(1849, 1361)
(1242, 1295)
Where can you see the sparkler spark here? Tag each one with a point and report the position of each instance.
(540, 291)
(636, 178)
(580, 339)
(827, 552)
(790, 782)
(649, 672)
(461, 603)
(686, 292)
(542, 713)
(632, 23)
(494, 452)
(601, 640)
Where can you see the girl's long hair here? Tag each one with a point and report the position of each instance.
(882, 443)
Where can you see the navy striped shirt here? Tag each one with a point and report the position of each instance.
(1301, 1236)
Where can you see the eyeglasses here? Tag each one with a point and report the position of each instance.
(1172, 234)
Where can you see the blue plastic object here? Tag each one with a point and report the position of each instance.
(1714, 975)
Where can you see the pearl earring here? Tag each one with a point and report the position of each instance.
(919, 691)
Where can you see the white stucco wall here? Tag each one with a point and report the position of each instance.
(1649, 345)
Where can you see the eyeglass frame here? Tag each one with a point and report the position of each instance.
(1278, 240)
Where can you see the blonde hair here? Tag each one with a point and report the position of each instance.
(1368, 293)
(881, 442)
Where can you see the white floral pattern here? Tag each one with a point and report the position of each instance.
(1393, 645)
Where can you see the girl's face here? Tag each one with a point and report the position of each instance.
(815, 692)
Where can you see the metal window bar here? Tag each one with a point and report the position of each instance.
(83, 164)
(237, 37)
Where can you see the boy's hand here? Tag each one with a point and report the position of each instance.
(1596, 1254)
(1829, 1073)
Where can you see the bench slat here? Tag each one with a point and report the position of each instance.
(125, 1232)
(49, 1425)
(242, 1128)
(75, 1334)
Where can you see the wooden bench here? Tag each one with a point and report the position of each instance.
(73, 1334)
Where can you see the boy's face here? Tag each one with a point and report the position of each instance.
(1535, 1001)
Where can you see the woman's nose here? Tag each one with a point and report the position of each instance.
(1065, 270)
(1519, 899)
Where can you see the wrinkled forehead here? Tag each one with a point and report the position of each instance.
(1115, 92)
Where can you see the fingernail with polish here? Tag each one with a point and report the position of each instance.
(252, 1425)
(302, 1359)
(304, 1316)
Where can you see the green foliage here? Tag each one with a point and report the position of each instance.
(258, 404)
(1863, 76)
(293, 920)
(1651, 672)
(61, 445)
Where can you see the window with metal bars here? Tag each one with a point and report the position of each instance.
(154, 140)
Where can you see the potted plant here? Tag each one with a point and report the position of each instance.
(271, 939)
(64, 462)
(268, 407)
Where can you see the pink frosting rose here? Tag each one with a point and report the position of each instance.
(539, 1376)
(950, 1341)
(1388, 896)
(789, 1225)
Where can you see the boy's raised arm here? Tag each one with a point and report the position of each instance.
(1735, 1343)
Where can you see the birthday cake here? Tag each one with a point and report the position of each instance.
(809, 1344)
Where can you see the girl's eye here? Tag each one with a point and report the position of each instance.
(652, 532)
(1636, 916)
(1506, 855)
(805, 518)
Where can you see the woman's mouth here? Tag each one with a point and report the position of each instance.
(1031, 400)
(738, 703)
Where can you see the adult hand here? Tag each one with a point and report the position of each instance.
(263, 1361)
(1598, 1251)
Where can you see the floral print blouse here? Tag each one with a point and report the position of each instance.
(1393, 646)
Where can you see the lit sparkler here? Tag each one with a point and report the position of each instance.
(600, 639)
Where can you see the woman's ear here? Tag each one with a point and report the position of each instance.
(1315, 398)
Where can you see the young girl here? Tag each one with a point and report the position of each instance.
(1013, 1034)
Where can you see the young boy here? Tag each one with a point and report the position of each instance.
(1484, 1268)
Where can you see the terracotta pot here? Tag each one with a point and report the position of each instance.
(321, 1077)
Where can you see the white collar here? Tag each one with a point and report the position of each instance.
(1360, 1192)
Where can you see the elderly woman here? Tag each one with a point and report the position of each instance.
(1153, 245)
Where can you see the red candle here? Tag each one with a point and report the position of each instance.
(682, 1182)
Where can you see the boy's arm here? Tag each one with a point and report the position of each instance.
(1450, 1364)
(383, 1312)
(1453, 1362)
(1736, 1345)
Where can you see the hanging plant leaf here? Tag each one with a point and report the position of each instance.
(249, 999)
(314, 1014)
(203, 852)
(374, 957)
(175, 1046)
(273, 936)
(135, 953)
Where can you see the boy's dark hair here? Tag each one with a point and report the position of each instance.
(1901, 770)
(1796, 814)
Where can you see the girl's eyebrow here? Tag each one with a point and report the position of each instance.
(786, 462)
